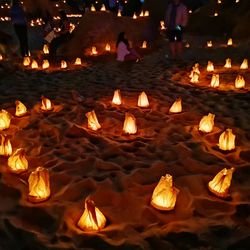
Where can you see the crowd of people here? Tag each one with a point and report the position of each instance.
(56, 34)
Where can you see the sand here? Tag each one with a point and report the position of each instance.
(120, 172)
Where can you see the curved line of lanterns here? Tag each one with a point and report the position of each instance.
(164, 195)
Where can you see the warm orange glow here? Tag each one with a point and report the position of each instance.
(141, 14)
(21, 109)
(34, 64)
(103, 8)
(26, 61)
(228, 64)
(240, 82)
(5, 118)
(63, 64)
(216, 14)
(134, 16)
(165, 194)
(146, 13)
(143, 100)
(45, 64)
(92, 218)
(78, 61)
(210, 66)
(244, 64)
(92, 8)
(93, 121)
(176, 106)
(209, 44)
(17, 162)
(46, 104)
(119, 13)
(94, 51)
(162, 24)
(144, 45)
(195, 73)
(221, 183)
(45, 49)
(117, 99)
(1, 57)
(129, 126)
(215, 81)
(207, 123)
(39, 185)
(5, 146)
(227, 140)
(107, 47)
(230, 42)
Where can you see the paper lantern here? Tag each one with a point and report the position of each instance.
(92, 8)
(5, 146)
(228, 63)
(221, 183)
(26, 61)
(93, 121)
(215, 81)
(146, 13)
(78, 61)
(45, 49)
(63, 64)
(94, 51)
(240, 82)
(92, 218)
(227, 140)
(119, 13)
(195, 73)
(45, 64)
(143, 100)
(216, 14)
(207, 123)
(162, 25)
(1, 57)
(144, 45)
(17, 162)
(117, 100)
(209, 44)
(244, 64)
(134, 16)
(210, 66)
(230, 42)
(39, 185)
(46, 104)
(34, 64)
(129, 126)
(21, 109)
(176, 106)
(107, 47)
(103, 8)
(5, 118)
(141, 14)
(165, 195)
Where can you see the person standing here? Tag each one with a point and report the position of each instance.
(19, 22)
(176, 20)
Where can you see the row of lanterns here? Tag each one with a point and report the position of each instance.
(229, 43)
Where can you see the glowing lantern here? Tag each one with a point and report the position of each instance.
(117, 100)
(94, 51)
(195, 78)
(103, 8)
(162, 24)
(92, 218)
(5, 146)
(119, 13)
(216, 14)
(45, 64)
(209, 44)
(146, 13)
(17, 162)
(230, 42)
(143, 100)
(5, 119)
(26, 61)
(39, 185)
(164, 195)
(129, 126)
(227, 140)
(45, 49)
(244, 64)
(221, 183)
(34, 64)
(219, 1)
(21, 109)
(46, 104)
(107, 47)
(134, 16)
(141, 14)
(176, 106)
(63, 64)
(92, 8)
(78, 61)
(144, 45)
(195, 70)
(228, 64)
(1, 57)
(210, 66)
(240, 82)
(93, 121)
(207, 123)
(215, 81)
